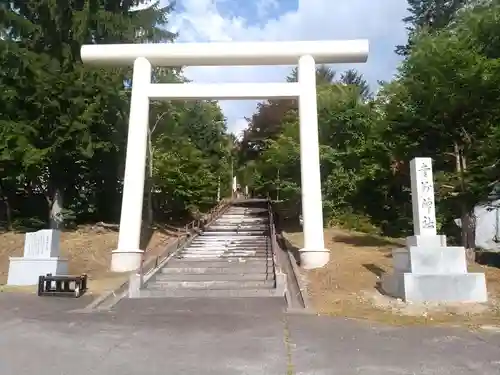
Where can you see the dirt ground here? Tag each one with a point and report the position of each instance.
(347, 286)
(88, 250)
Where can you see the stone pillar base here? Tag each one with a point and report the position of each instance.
(444, 288)
(310, 259)
(126, 260)
(25, 271)
(426, 241)
(434, 274)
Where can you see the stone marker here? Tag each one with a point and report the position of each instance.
(424, 211)
(427, 270)
(41, 256)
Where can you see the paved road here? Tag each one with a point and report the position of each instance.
(40, 336)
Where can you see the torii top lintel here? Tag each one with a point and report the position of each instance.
(227, 53)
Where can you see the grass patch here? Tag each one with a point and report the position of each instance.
(88, 250)
(347, 285)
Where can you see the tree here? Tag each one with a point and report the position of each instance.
(429, 15)
(353, 77)
(457, 121)
(324, 75)
(266, 122)
(442, 104)
(64, 124)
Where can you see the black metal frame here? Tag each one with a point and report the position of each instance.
(50, 285)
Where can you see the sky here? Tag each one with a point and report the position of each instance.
(379, 21)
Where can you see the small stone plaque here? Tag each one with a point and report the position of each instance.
(42, 244)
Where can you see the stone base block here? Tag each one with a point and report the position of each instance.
(25, 271)
(450, 288)
(126, 260)
(426, 241)
(430, 260)
(311, 259)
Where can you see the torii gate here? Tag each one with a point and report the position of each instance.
(128, 255)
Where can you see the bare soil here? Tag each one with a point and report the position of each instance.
(88, 250)
(347, 285)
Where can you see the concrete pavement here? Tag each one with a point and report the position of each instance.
(41, 336)
(327, 346)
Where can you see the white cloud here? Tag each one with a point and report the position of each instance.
(377, 20)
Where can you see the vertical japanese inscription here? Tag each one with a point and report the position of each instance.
(422, 185)
(426, 196)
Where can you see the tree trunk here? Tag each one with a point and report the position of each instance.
(8, 208)
(468, 228)
(149, 190)
(56, 217)
(149, 185)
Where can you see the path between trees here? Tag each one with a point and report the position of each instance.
(199, 336)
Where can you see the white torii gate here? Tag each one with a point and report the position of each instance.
(128, 255)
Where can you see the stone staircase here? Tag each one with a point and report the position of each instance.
(232, 257)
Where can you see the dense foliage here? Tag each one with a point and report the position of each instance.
(63, 125)
(443, 104)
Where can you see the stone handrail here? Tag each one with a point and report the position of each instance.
(281, 281)
(197, 224)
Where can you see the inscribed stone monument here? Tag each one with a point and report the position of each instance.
(41, 256)
(428, 270)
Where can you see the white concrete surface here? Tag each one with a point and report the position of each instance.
(437, 288)
(40, 257)
(228, 53)
(314, 254)
(25, 271)
(224, 91)
(488, 226)
(128, 256)
(427, 270)
(437, 240)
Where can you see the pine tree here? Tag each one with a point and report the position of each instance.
(353, 77)
(430, 15)
(60, 119)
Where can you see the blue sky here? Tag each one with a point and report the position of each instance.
(253, 20)
(256, 11)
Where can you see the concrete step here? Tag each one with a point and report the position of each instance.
(194, 293)
(223, 233)
(219, 262)
(238, 227)
(243, 221)
(231, 239)
(228, 243)
(199, 250)
(222, 254)
(216, 245)
(221, 250)
(211, 276)
(262, 247)
(249, 244)
(234, 237)
(234, 269)
(224, 257)
(211, 284)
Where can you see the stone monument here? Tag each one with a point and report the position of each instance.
(41, 256)
(428, 270)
